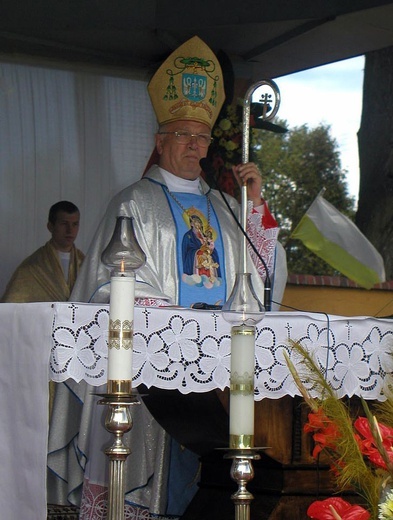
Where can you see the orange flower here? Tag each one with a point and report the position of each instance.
(324, 431)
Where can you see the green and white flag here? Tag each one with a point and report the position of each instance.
(338, 241)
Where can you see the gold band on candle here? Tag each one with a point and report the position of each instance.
(119, 386)
(118, 325)
(241, 441)
(242, 388)
(118, 334)
(241, 330)
(125, 344)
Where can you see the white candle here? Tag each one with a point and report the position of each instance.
(241, 403)
(121, 328)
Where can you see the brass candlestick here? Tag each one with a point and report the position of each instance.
(242, 472)
(244, 310)
(118, 421)
(123, 256)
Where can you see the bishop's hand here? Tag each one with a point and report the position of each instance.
(250, 175)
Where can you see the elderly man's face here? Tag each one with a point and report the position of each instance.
(182, 159)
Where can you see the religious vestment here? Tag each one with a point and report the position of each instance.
(160, 234)
(40, 277)
(147, 203)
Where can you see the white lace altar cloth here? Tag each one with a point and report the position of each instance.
(189, 350)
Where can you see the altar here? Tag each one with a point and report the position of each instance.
(189, 350)
(174, 348)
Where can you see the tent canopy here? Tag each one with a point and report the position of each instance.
(263, 38)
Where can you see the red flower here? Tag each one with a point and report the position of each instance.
(325, 431)
(336, 508)
(367, 444)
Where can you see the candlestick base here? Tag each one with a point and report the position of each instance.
(242, 472)
(118, 421)
(119, 387)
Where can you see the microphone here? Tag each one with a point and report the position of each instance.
(209, 170)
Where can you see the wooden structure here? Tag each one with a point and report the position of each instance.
(287, 478)
(337, 295)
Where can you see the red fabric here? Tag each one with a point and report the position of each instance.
(268, 221)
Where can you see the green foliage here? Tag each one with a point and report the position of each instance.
(341, 445)
(295, 167)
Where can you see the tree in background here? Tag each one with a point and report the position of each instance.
(295, 166)
(375, 209)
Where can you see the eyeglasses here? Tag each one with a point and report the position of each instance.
(203, 140)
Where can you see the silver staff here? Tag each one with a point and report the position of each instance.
(269, 98)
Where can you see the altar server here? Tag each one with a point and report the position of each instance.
(49, 274)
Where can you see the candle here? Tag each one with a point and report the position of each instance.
(121, 325)
(241, 403)
(123, 256)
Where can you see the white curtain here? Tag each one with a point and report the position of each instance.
(65, 135)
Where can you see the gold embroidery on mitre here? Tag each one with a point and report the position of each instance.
(188, 85)
(120, 334)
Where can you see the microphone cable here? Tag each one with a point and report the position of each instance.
(207, 168)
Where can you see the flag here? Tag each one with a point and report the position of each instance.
(338, 241)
